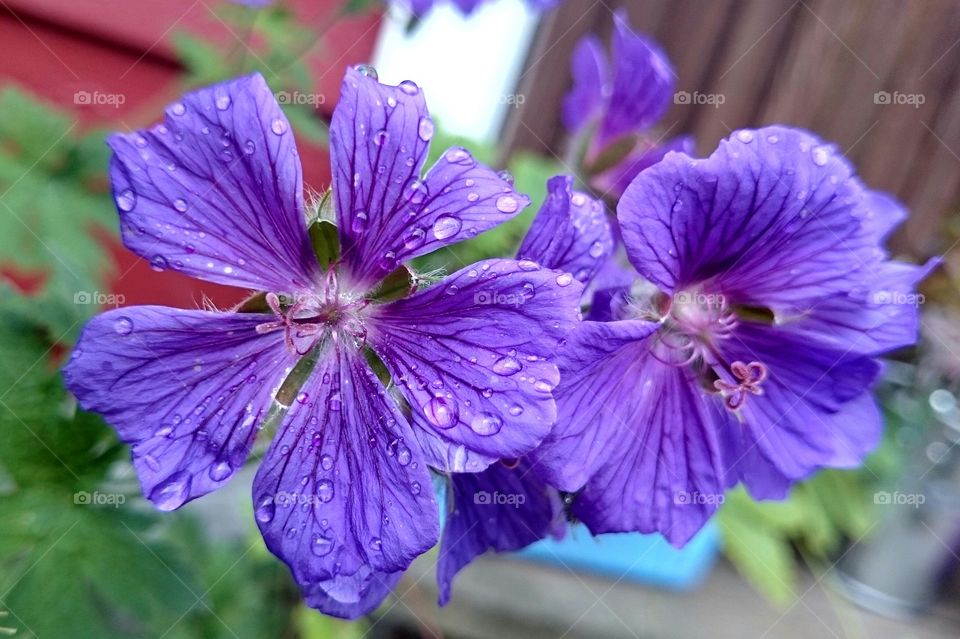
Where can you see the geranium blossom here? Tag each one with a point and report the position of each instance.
(343, 495)
(747, 349)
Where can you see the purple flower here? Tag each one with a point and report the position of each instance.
(421, 8)
(613, 109)
(343, 495)
(508, 506)
(747, 350)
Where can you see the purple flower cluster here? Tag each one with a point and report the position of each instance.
(737, 306)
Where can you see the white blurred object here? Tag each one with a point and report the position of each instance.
(468, 66)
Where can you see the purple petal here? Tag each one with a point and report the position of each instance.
(659, 432)
(353, 596)
(804, 420)
(767, 217)
(874, 321)
(215, 192)
(471, 356)
(186, 388)
(616, 180)
(599, 395)
(570, 233)
(387, 214)
(584, 102)
(500, 509)
(344, 489)
(643, 82)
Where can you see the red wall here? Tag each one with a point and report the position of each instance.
(55, 48)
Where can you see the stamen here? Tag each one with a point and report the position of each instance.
(749, 377)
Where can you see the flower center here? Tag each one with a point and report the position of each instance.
(695, 324)
(313, 316)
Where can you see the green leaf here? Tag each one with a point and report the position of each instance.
(762, 556)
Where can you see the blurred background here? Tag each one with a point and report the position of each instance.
(864, 553)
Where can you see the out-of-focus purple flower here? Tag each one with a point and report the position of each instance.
(615, 102)
(747, 351)
(508, 506)
(420, 8)
(343, 495)
(254, 3)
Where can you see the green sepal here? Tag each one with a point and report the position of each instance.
(398, 284)
(326, 241)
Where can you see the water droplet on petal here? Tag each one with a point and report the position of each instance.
(123, 326)
(381, 137)
(596, 250)
(507, 204)
(220, 471)
(516, 410)
(326, 462)
(178, 108)
(367, 71)
(334, 403)
(403, 455)
(486, 424)
(325, 490)
(223, 102)
(321, 546)
(126, 200)
(180, 204)
(409, 87)
(506, 366)
(446, 226)
(821, 155)
(564, 279)
(415, 488)
(528, 265)
(459, 155)
(414, 237)
(172, 492)
(359, 223)
(425, 130)
(375, 544)
(278, 126)
(158, 263)
(745, 136)
(440, 412)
